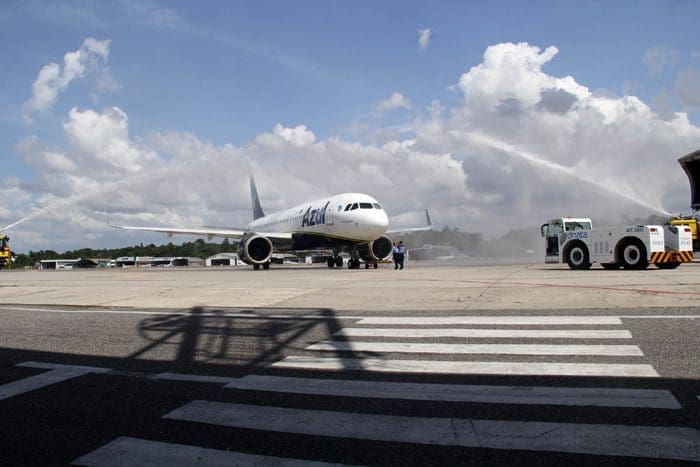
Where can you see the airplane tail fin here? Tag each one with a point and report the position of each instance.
(257, 209)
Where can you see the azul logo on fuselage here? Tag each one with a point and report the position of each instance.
(314, 216)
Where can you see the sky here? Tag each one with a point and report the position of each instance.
(494, 115)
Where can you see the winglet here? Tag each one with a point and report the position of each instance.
(428, 219)
(257, 209)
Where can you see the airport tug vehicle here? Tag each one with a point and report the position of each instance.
(5, 253)
(575, 242)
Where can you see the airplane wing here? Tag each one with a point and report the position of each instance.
(429, 226)
(277, 238)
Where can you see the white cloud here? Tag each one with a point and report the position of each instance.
(659, 58)
(522, 146)
(424, 36)
(395, 101)
(53, 78)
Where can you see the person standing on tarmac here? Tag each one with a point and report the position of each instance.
(395, 255)
(401, 254)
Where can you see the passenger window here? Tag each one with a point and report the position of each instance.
(365, 205)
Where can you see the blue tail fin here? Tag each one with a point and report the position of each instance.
(257, 210)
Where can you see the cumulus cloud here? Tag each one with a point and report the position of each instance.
(53, 78)
(659, 58)
(521, 146)
(424, 36)
(395, 101)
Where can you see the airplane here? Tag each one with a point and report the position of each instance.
(353, 223)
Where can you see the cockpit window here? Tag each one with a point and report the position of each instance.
(365, 205)
(353, 207)
(347, 208)
(376, 206)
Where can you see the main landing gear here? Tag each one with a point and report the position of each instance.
(335, 261)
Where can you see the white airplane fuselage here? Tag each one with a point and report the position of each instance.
(349, 217)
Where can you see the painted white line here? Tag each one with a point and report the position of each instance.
(499, 349)
(195, 378)
(107, 311)
(493, 320)
(488, 368)
(133, 451)
(487, 333)
(58, 366)
(680, 443)
(32, 383)
(540, 395)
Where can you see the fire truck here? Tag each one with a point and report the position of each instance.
(5, 253)
(575, 242)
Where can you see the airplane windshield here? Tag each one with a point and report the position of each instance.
(376, 206)
(365, 205)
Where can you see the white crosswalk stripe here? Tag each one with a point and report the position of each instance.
(535, 395)
(133, 451)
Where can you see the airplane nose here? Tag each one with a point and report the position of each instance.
(378, 222)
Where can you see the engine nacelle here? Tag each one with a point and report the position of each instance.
(255, 249)
(377, 250)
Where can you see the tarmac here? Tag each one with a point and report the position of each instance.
(420, 286)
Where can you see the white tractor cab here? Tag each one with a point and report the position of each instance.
(575, 242)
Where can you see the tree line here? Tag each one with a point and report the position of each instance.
(198, 248)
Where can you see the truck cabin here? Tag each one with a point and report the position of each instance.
(691, 165)
(555, 227)
(3, 242)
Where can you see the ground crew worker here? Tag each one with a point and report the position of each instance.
(395, 255)
(401, 254)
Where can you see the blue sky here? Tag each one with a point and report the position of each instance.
(229, 72)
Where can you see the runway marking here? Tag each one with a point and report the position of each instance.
(134, 451)
(57, 374)
(497, 349)
(487, 333)
(457, 367)
(539, 395)
(681, 443)
(493, 320)
(195, 378)
(315, 317)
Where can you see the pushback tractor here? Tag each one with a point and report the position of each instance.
(575, 242)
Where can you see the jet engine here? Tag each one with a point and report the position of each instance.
(377, 250)
(255, 249)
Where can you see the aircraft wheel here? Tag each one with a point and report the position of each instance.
(266, 265)
(330, 262)
(366, 265)
(339, 261)
(376, 265)
(256, 267)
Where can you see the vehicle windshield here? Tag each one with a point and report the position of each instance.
(570, 225)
